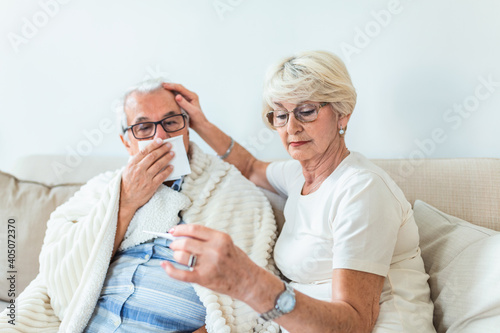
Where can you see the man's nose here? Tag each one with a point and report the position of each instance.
(160, 133)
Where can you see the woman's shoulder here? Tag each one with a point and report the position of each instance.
(292, 166)
(289, 168)
(360, 171)
(357, 164)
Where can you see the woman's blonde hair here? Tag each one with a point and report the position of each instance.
(316, 76)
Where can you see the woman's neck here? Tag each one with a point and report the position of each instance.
(317, 169)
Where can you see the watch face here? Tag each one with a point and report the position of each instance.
(286, 302)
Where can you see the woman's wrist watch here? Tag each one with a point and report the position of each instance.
(285, 303)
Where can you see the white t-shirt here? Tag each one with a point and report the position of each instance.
(357, 219)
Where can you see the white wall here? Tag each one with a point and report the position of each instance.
(59, 80)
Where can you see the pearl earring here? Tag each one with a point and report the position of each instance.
(341, 132)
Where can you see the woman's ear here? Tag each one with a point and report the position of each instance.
(344, 120)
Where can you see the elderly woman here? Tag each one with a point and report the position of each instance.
(349, 249)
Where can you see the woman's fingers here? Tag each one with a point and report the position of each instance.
(186, 105)
(182, 257)
(180, 274)
(188, 94)
(190, 102)
(194, 231)
(220, 265)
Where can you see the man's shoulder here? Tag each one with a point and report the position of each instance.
(104, 178)
(98, 184)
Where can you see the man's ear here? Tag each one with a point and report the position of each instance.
(127, 145)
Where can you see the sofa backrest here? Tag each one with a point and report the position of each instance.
(468, 188)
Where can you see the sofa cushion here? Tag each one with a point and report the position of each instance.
(462, 261)
(27, 205)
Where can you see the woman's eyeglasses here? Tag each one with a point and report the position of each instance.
(305, 113)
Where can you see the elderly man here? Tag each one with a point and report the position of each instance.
(99, 272)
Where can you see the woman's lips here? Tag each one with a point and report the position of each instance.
(298, 143)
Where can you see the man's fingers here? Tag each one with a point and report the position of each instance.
(154, 153)
(159, 163)
(163, 174)
(157, 143)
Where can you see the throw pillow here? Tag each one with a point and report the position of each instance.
(462, 261)
(25, 208)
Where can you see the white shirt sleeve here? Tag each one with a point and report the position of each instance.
(282, 174)
(366, 224)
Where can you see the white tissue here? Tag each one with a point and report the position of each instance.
(180, 161)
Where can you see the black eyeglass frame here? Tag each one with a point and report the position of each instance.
(270, 113)
(156, 123)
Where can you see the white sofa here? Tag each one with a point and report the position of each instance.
(460, 257)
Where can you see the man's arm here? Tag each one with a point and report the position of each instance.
(145, 172)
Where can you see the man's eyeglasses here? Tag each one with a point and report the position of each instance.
(147, 130)
(305, 113)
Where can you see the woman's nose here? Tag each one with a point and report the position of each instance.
(293, 126)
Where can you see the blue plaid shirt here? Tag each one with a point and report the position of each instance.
(138, 296)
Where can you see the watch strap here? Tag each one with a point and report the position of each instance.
(271, 314)
(276, 312)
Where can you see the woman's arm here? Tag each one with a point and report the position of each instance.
(223, 267)
(249, 166)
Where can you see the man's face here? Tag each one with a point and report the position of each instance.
(154, 106)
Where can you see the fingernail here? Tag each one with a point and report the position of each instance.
(171, 153)
(168, 144)
(171, 231)
(158, 140)
(163, 264)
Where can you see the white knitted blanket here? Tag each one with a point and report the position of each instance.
(80, 234)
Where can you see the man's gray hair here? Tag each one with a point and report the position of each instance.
(144, 87)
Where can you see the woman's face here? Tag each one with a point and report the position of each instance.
(306, 141)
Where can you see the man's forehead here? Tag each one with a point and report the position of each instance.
(149, 104)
